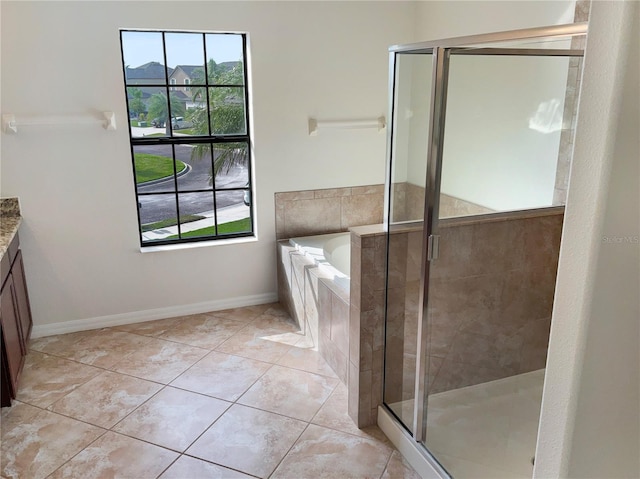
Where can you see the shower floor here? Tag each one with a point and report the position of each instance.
(488, 430)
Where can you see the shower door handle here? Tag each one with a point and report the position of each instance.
(433, 247)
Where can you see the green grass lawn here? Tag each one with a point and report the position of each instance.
(170, 222)
(153, 167)
(186, 131)
(239, 226)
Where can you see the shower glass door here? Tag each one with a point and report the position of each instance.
(412, 78)
(480, 149)
(490, 291)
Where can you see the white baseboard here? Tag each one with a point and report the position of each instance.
(40, 330)
(416, 455)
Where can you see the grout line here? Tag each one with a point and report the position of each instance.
(76, 454)
(167, 468)
(289, 450)
(386, 465)
(221, 465)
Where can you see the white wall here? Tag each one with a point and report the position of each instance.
(590, 422)
(411, 118)
(492, 157)
(80, 242)
(446, 19)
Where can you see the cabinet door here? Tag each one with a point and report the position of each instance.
(12, 354)
(22, 297)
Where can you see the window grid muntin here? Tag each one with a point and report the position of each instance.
(211, 139)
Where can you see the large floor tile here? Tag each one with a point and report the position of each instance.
(37, 447)
(151, 328)
(290, 392)
(114, 455)
(334, 415)
(102, 348)
(45, 379)
(245, 314)
(191, 468)
(306, 359)
(399, 468)
(275, 317)
(19, 413)
(268, 345)
(248, 440)
(160, 361)
(221, 375)
(203, 330)
(173, 418)
(106, 399)
(325, 453)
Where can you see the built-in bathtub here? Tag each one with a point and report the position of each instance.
(330, 252)
(314, 283)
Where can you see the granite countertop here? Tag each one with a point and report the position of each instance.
(10, 220)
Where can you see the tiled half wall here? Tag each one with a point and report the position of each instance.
(490, 301)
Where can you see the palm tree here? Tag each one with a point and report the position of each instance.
(158, 107)
(227, 114)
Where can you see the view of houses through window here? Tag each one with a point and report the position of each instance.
(187, 99)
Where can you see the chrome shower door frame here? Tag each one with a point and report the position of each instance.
(441, 51)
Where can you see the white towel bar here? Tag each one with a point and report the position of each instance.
(10, 123)
(315, 125)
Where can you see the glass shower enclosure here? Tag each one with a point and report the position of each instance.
(479, 152)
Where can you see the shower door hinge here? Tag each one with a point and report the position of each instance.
(433, 247)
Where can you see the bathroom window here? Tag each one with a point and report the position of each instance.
(190, 146)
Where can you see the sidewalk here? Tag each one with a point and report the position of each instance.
(225, 215)
(138, 132)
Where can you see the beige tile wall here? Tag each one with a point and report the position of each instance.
(313, 212)
(408, 204)
(490, 302)
(366, 322)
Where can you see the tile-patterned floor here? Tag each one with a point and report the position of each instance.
(228, 394)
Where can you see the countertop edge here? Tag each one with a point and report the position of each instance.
(8, 230)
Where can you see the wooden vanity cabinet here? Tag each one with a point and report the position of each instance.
(15, 320)
(22, 298)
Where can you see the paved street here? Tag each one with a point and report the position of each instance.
(163, 206)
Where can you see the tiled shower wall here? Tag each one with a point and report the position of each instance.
(570, 112)
(490, 302)
(408, 204)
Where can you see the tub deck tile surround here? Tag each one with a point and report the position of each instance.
(323, 309)
(75, 419)
(366, 322)
(313, 212)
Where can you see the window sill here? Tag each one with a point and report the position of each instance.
(197, 244)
